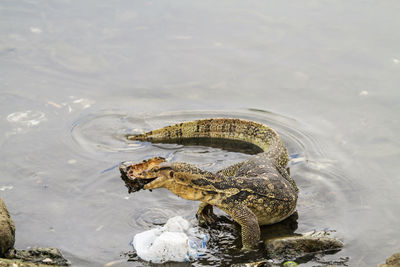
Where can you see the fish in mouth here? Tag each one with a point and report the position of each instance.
(132, 174)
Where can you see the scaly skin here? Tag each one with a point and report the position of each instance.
(255, 192)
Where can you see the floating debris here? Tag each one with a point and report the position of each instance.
(86, 103)
(28, 118)
(35, 30)
(290, 264)
(54, 104)
(6, 187)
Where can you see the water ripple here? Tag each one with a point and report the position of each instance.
(106, 132)
(147, 218)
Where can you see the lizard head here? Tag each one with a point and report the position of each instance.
(156, 173)
(136, 176)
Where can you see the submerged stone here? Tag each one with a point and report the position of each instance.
(19, 263)
(7, 229)
(51, 256)
(300, 245)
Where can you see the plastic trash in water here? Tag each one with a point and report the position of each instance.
(290, 264)
(175, 241)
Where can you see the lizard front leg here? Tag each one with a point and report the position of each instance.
(205, 214)
(248, 222)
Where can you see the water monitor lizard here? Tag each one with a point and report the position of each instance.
(258, 191)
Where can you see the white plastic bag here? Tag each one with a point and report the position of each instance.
(175, 241)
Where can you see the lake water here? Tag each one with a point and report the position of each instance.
(76, 76)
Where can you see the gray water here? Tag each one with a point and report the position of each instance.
(76, 76)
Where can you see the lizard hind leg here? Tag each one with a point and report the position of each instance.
(248, 222)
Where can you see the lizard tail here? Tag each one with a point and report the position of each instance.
(255, 133)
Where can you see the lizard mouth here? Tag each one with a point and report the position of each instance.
(133, 183)
(131, 174)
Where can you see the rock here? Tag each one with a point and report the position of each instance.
(19, 263)
(392, 261)
(42, 255)
(299, 245)
(7, 229)
(34, 257)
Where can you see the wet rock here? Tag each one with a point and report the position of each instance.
(19, 263)
(50, 256)
(7, 229)
(33, 257)
(300, 245)
(392, 261)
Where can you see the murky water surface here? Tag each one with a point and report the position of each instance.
(77, 76)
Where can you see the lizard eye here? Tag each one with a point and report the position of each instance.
(171, 174)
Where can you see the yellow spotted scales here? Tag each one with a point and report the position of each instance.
(255, 192)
